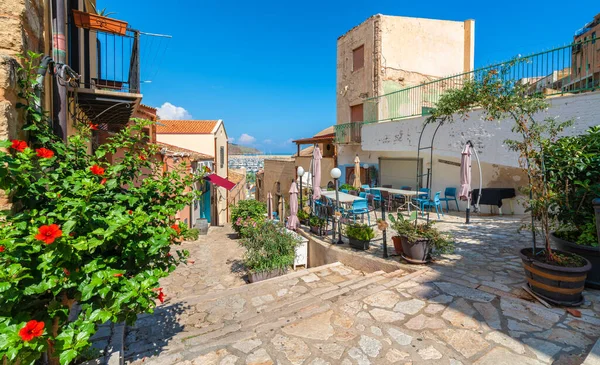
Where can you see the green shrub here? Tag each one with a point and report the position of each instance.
(315, 221)
(191, 234)
(269, 247)
(302, 215)
(360, 232)
(405, 227)
(348, 187)
(247, 214)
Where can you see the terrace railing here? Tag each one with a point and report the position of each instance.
(348, 133)
(569, 69)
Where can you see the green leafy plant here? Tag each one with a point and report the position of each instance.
(501, 96)
(316, 221)
(348, 187)
(247, 214)
(101, 12)
(359, 232)
(303, 216)
(191, 234)
(406, 227)
(573, 178)
(82, 229)
(269, 247)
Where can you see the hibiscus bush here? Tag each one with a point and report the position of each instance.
(85, 230)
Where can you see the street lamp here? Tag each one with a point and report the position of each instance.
(335, 175)
(300, 172)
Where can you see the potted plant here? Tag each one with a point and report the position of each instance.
(557, 276)
(270, 251)
(419, 241)
(348, 187)
(359, 235)
(317, 224)
(246, 215)
(574, 180)
(98, 20)
(303, 215)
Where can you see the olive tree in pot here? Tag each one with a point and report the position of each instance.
(574, 181)
(554, 275)
(270, 251)
(359, 235)
(419, 241)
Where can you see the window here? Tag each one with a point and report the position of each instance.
(593, 37)
(358, 58)
(222, 156)
(356, 113)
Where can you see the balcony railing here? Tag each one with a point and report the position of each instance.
(569, 69)
(349, 133)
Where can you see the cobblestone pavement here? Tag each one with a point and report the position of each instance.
(463, 309)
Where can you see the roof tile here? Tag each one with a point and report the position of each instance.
(185, 126)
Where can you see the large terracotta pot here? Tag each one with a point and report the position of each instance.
(397, 244)
(557, 284)
(592, 254)
(417, 252)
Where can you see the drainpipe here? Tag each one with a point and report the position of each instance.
(596, 203)
(59, 54)
(39, 87)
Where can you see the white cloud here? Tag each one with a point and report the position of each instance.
(169, 111)
(267, 141)
(289, 141)
(246, 139)
(231, 140)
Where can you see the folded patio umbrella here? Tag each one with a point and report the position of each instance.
(293, 221)
(270, 205)
(465, 173)
(317, 173)
(356, 182)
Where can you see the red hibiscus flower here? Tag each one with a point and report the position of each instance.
(31, 330)
(130, 212)
(176, 228)
(118, 275)
(142, 157)
(93, 126)
(161, 296)
(19, 145)
(103, 181)
(67, 272)
(44, 153)
(2, 248)
(48, 233)
(97, 170)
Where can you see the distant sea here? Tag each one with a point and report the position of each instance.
(267, 154)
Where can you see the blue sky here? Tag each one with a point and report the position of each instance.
(267, 68)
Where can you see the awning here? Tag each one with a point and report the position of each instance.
(219, 181)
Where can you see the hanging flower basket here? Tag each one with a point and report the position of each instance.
(97, 22)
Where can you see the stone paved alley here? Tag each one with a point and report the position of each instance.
(467, 308)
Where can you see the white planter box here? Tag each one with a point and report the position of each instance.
(301, 251)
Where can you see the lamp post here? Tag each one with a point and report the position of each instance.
(300, 172)
(335, 175)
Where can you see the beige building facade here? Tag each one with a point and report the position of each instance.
(208, 137)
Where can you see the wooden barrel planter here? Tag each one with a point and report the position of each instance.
(417, 252)
(557, 284)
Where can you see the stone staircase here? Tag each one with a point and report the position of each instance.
(224, 318)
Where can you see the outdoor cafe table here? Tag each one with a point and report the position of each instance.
(343, 197)
(408, 196)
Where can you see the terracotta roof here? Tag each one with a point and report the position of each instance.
(196, 156)
(235, 177)
(326, 131)
(148, 107)
(185, 126)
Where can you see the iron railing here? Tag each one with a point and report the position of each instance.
(348, 133)
(569, 69)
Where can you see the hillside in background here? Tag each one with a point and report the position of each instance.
(236, 149)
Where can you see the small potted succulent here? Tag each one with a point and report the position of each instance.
(359, 235)
(317, 225)
(98, 20)
(419, 241)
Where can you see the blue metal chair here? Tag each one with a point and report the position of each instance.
(366, 187)
(362, 194)
(434, 203)
(450, 195)
(360, 206)
(377, 196)
(405, 187)
(422, 198)
(344, 191)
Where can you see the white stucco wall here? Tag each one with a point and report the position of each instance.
(399, 139)
(203, 143)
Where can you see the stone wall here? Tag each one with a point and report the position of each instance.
(21, 30)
